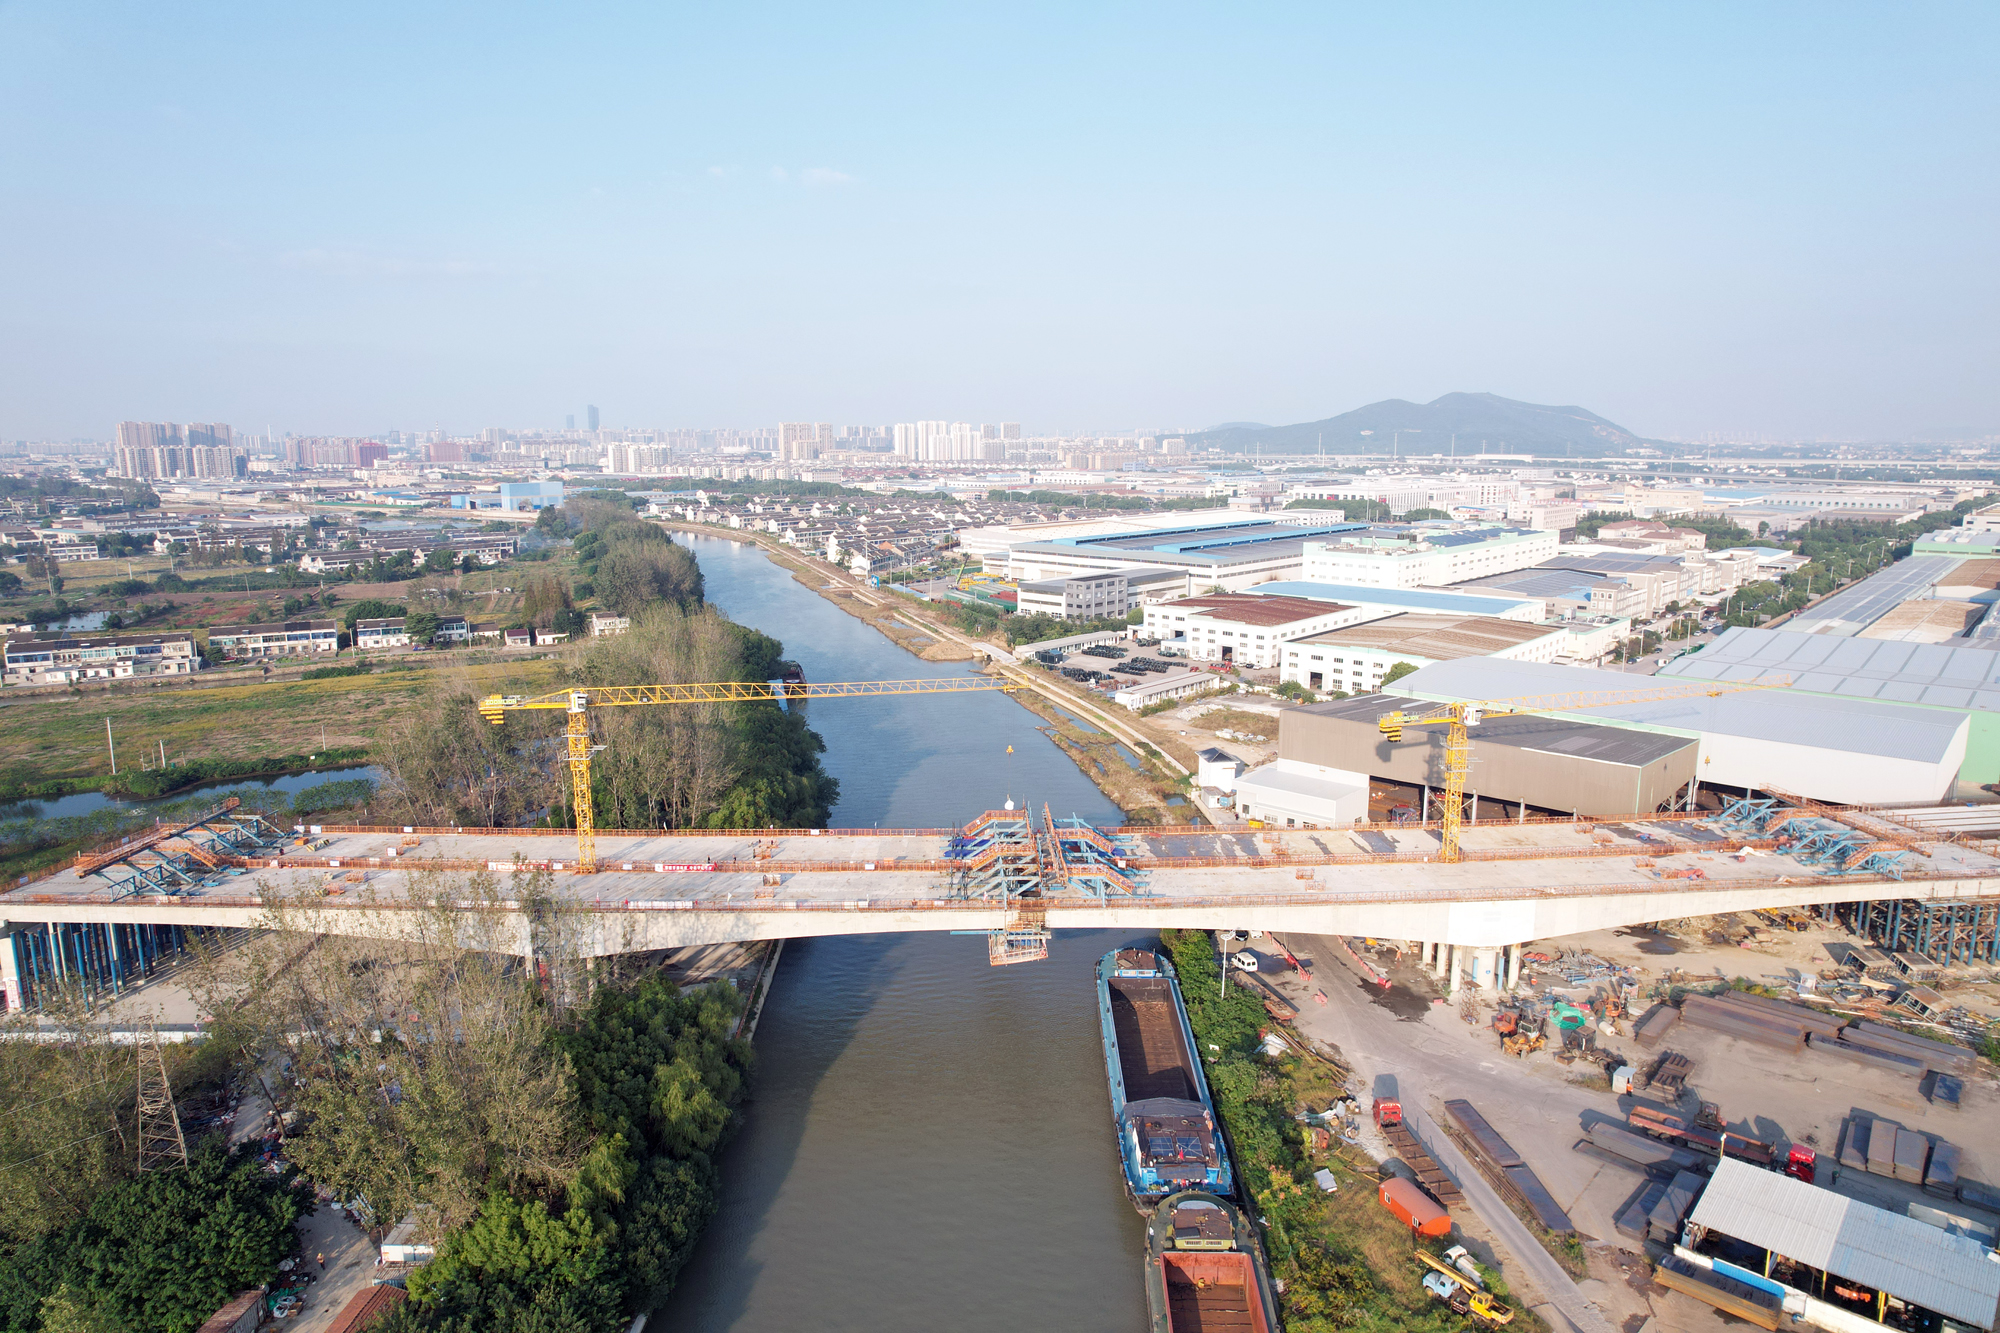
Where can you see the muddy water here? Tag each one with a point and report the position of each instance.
(928, 1143)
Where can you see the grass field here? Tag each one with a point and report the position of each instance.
(64, 737)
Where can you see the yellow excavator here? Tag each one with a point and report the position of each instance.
(1462, 1293)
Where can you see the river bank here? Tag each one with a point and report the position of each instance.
(1135, 767)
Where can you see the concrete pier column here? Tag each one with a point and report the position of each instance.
(1452, 972)
(1514, 967)
(1483, 968)
(10, 973)
(1437, 964)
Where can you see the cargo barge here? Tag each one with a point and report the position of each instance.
(1205, 1270)
(1160, 1108)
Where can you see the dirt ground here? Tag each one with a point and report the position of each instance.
(1537, 1105)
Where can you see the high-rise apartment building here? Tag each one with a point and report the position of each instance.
(320, 452)
(1010, 430)
(591, 413)
(159, 449)
(798, 440)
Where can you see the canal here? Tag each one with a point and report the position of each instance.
(928, 1141)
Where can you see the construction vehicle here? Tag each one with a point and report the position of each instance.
(579, 702)
(1460, 717)
(1484, 1307)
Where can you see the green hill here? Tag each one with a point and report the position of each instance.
(1481, 422)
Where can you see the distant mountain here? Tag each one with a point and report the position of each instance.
(1237, 425)
(1482, 423)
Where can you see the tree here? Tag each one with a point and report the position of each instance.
(161, 1250)
(1397, 672)
(421, 626)
(438, 561)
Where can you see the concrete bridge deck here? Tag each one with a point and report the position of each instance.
(665, 889)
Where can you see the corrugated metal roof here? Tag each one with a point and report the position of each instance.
(1785, 716)
(1414, 599)
(1937, 674)
(1906, 1258)
(1853, 609)
(1435, 637)
(1540, 583)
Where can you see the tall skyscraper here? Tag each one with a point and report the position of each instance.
(591, 412)
(803, 439)
(569, 422)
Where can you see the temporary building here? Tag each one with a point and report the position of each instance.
(1845, 1238)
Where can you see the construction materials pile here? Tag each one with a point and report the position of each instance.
(1789, 1027)
(1514, 1178)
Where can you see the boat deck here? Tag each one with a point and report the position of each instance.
(1210, 1292)
(1151, 1054)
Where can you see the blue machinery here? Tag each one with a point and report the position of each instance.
(1002, 857)
(1826, 846)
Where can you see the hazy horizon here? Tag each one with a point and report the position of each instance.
(1771, 221)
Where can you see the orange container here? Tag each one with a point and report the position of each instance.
(1417, 1209)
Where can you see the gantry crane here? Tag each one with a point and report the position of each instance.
(578, 702)
(1460, 717)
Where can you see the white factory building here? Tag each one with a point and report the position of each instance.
(1244, 630)
(1428, 555)
(1845, 750)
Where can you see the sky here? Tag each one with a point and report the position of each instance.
(1740, 219)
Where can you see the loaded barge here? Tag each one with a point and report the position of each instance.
(1160, 1107)
(1205, 1270)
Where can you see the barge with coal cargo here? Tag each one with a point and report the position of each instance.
(1205, 1270)
(1168, 1140)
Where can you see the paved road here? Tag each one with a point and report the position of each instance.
(1376, 1043)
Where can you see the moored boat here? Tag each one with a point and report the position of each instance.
(1205, 1270)
(1160, 1106)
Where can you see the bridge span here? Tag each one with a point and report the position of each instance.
(1006, 871)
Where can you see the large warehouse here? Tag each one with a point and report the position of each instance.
(1550, 763)
(1852, 751)
(1962, 681)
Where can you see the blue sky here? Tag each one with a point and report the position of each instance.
(348, 218)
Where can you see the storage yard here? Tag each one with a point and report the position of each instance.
(1628, 1188)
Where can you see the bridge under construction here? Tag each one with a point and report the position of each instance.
(1014, 875)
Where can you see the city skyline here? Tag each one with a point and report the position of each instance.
(1692, 224)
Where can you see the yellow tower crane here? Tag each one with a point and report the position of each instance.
(1458, 719)
(579, 701)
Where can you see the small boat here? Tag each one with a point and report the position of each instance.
(1205, 1270)
(1160, 1105)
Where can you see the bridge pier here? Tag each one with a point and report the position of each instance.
(1453, 972)
(1514, 967)
(1483, 968)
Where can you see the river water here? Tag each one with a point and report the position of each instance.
(928, 1141)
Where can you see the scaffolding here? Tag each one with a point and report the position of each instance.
(96, 960)
(1943, 932)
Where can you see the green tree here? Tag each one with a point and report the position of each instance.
(1397, 672)
(422, 626)
(438, 561)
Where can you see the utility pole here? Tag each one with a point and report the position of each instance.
(111, 746)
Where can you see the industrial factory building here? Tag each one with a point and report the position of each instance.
(1829, 748)
(1960, 680)
(1547, 763)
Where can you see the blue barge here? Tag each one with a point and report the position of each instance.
(1160, 1106)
